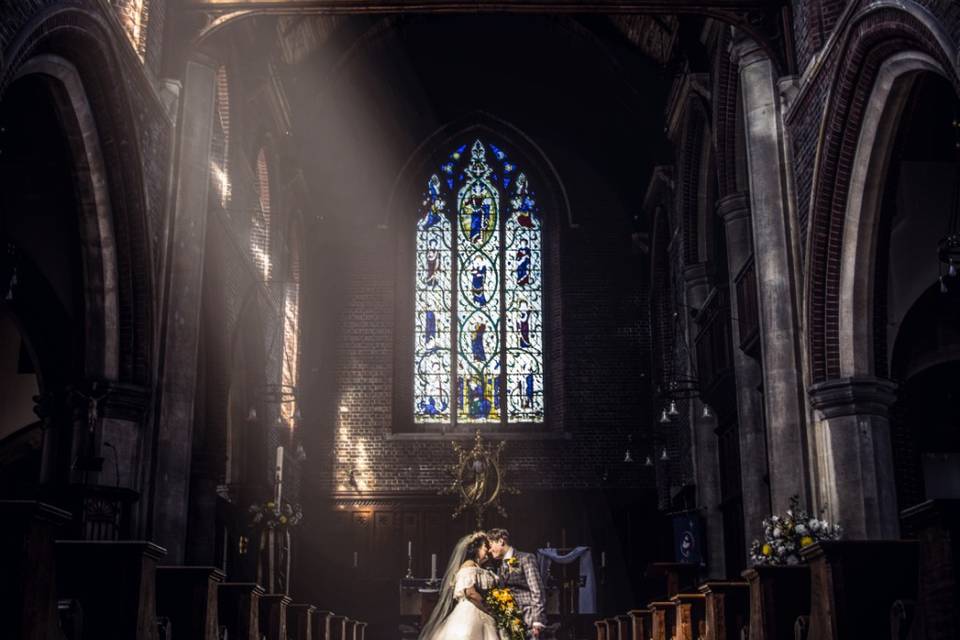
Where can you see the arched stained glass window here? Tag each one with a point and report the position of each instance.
(479, 300)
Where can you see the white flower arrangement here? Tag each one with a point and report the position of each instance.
(784, 536)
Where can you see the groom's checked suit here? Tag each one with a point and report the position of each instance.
(519, 573)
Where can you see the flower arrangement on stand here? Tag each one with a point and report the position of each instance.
(505, 611)
(273, 557)
(784, 536)
(267, 515)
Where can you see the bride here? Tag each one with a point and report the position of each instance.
(460, 613)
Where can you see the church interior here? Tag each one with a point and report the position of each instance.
(667, 289)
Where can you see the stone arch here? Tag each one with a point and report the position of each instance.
(76, 50)
(695, 179)
(100, 300)
(878, 34)
(885, 106)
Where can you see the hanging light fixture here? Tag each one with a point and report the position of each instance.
(672, 411)
(706, 411)
(663, 455)
(648, 462)
(664, 418)
(627, 457)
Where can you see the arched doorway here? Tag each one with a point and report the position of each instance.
(921, 333)
(41, 308)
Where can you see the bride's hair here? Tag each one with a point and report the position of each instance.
(476, 543)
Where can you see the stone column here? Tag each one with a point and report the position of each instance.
(734, 210)
(181, 311)
(776, 266)
(706, 461)
(854, 452)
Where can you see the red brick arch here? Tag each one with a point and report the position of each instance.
(871, 38)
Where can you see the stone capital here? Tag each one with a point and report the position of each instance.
(696, 274)
(745, 51)
(853, 396)
(734, 206)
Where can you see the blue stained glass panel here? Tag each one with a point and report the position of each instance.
(432, 386)
(523, 286)
(478, 293)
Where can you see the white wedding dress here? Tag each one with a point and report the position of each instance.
(466, 621)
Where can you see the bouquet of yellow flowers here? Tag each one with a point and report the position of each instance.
(507, 614)
(785, 535)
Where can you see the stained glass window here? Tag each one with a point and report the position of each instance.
(479, 339)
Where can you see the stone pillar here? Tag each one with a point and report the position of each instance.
(188, 597)
(776, 266)
(238, 606)
(734, 210)
(706, 461)
(181, 309)
(855, 455)
(28, 587)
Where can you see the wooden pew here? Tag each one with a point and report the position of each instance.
(641, 622)
(690, 615)
(115, 583)
(350, 630)
(28, 587)
(727, 609)
(361, 631)
(624, 628)
(238, 606)
(187, 596)
(321, 624)
(664, 618)
(601, 626)
(778, 596)
(300, 619)
(855, 583)
(273, 616)
(338, 627)
(677, 577)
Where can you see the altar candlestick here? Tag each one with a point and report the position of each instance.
(278, 479)
(355, 559)
(433, 567)
(409, 548)
(603, 559)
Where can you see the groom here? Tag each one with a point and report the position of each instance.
(519, 573)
